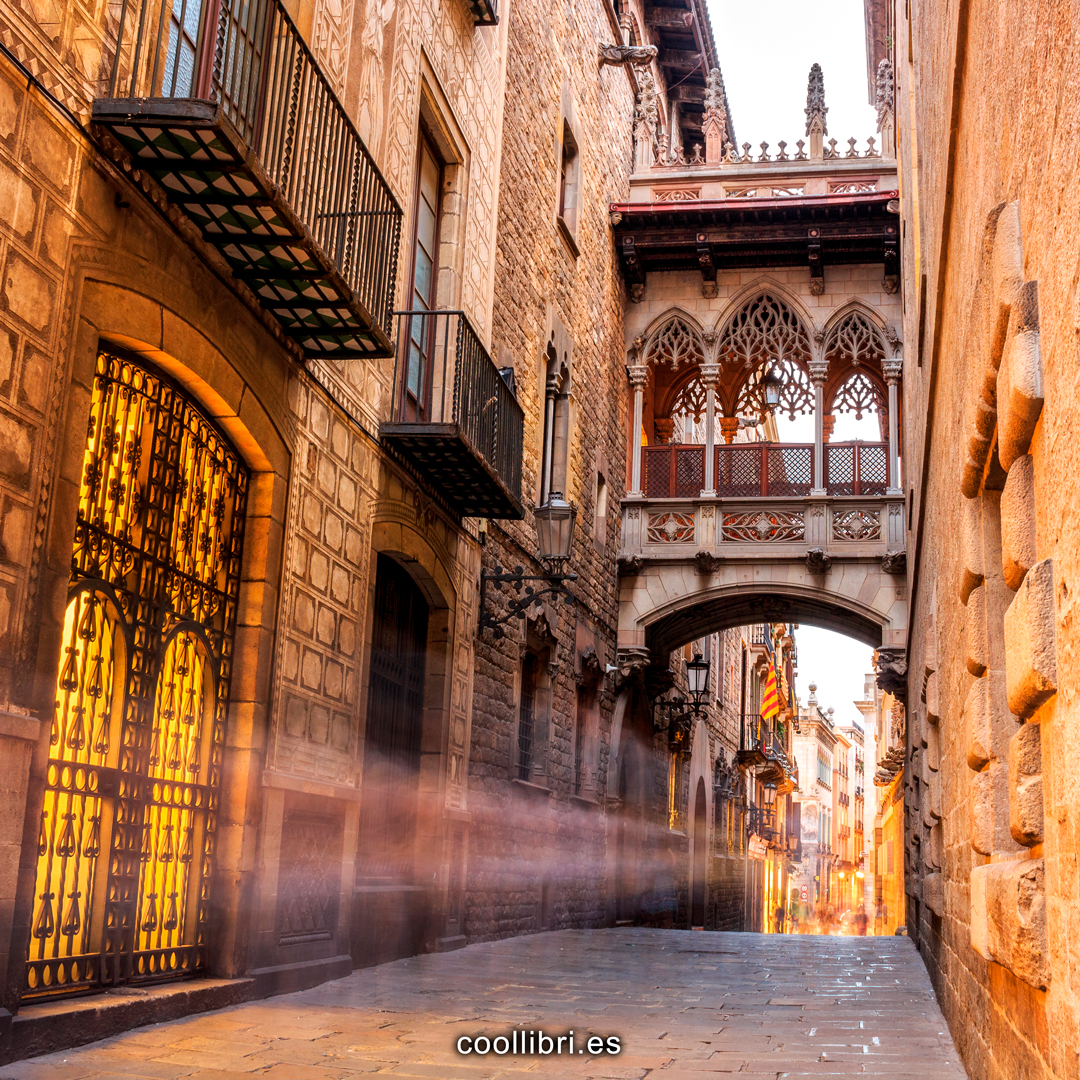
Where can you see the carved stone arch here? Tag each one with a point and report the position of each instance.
(763, 332)
(778, 289)
(675, 339)
(854, 346)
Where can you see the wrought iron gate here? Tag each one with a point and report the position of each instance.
(126, 840)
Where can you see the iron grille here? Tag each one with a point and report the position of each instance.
(748, 470)
(135, 760)
(856, 468)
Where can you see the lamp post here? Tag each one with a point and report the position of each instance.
(697, 678)
(555, 521)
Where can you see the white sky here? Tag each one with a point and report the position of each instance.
(838, 665)
(765, 51)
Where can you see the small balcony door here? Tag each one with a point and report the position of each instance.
(419, 369)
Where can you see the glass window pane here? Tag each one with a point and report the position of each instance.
(422, 279)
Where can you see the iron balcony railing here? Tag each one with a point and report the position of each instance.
(253, 62)
(764, 470)
(445, 377)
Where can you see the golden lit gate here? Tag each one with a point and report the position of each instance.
(126, 840)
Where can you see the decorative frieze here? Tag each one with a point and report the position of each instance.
(859, 525)
(764, 526)
(671, 528)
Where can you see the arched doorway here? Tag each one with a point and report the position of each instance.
(701, 857)
(386, 871)
(126, 836)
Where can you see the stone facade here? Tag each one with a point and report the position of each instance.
(989, 296)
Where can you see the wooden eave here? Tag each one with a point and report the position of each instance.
(850, 228)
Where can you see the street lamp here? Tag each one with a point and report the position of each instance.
(555, 522)
(697, 678)
(770, 796)
(771, 383)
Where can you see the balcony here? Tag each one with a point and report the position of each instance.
(454, 419)
(233, 117)
(765, 470)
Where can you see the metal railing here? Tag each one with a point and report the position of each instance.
(257, 66)
(856, 468)
(743, 470)
(444, 375)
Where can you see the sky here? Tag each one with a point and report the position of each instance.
(765, 50)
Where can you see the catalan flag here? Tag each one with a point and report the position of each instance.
(770, 703)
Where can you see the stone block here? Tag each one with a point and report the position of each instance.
(933, 893)
(1007, 275)
(976, 647)
(1019, 396)
(977, 724)
(982, 811)
(1018, 522)
(932, 698)
(1030, 650)
(971, 537)
(1008, 917)
(1025, 785)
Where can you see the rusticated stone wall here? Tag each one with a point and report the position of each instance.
(528, 848)
(990, 265)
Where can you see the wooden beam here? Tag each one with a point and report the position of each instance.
(681, 59)
(678, 18)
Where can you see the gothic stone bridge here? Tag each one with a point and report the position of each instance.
(693, 566)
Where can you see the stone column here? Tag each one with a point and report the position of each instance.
(819, 370)
(892, 370)
(638, 377)
(710, 377)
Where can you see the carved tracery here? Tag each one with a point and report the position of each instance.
(854, 340)
(796, 391)
(763, 329)
(859, 394)
(676, 344)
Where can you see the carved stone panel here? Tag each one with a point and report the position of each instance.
(309, 882)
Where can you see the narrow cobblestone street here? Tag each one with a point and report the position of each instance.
(686, 1006)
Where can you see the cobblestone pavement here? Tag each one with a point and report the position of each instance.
(686, 1006)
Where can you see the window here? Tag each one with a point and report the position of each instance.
(569, 182)
(422, 281)
(556, 425)
(527, 716)
(600, 513)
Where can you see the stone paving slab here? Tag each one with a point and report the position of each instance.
(686, 1006)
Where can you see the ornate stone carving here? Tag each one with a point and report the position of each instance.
(627, 54)
(671, 528)
(817, 561)
(646, 116)
(715, 124)
(891, 668)
(892, 369)
(630, 565)
(763, 526)
(859, 394)
(884, 95)
(591, 668)
(679, 194)
(638, 376)
(854, 340)
(815, 102)
(857, 525)
(631, 662)
(819, 371)
(817, 286)
(708, 563)
(676, 343)
(637, 292)
(894, 562)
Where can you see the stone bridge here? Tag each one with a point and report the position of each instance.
(691, 567)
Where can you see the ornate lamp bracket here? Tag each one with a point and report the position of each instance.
(522, 596)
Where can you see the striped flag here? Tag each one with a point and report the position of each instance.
(770, 702)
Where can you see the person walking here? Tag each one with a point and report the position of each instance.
(860, 921)
(779, 914)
